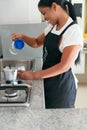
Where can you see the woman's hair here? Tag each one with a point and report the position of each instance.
(63, 3)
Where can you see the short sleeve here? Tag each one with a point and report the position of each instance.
(72, 37)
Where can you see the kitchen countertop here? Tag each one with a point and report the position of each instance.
(12, 118)
(36, 117)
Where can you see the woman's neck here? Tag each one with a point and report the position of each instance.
(62, 22)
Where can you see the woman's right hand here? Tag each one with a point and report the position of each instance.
(16, 36)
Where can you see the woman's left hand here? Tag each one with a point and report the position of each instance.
(26, 75)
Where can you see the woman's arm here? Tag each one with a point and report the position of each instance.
(31, 41)
(67, 59)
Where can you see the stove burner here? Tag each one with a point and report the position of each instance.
(10, 93)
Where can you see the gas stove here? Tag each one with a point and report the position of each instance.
(15, 95)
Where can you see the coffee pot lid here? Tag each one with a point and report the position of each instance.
(19, 44)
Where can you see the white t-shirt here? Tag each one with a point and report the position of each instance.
(72, 36)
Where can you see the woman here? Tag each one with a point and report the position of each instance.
(62, 42)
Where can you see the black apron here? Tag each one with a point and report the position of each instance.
(60, 90)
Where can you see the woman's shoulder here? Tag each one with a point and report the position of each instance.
(74, 30)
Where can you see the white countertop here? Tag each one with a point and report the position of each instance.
(48, 119)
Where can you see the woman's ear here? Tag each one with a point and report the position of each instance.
(54, 6)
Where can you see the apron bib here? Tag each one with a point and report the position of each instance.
(60, 90)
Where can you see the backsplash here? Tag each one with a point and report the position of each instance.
(32, 30)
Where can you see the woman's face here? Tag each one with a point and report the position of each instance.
(51, 14)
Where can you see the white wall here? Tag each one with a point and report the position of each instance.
(19, 11)
(34, 14)
(80, 68)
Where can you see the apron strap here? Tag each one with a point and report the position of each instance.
(68, 27)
